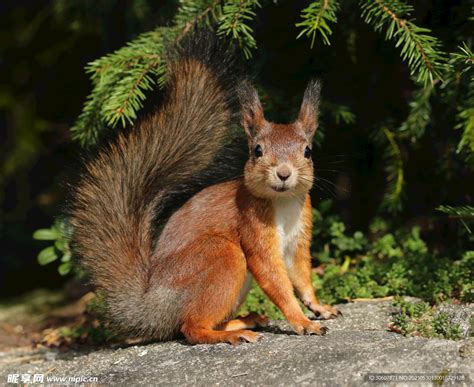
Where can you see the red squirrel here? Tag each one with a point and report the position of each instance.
(192, 278)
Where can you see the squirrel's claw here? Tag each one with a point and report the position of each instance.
(325, 312)
(311, 328)
(324, 330)
(245, 336)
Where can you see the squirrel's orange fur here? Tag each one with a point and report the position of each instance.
(194, 277)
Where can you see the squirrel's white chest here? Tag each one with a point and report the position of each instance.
(289, 225)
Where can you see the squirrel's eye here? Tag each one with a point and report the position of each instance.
(258, 151)
(307, 152)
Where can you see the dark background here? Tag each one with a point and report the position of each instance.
(44, 46)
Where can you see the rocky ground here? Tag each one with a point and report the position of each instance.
(357, 345)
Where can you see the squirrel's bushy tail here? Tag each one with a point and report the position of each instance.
(122, 191)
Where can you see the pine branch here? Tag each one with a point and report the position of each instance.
(458, 211)
(194, 13)
(316, 19)
(465, 121)
(121, 79)
(421, 51)
(91, 122)
(463, 213)
(465, 57)
(419, 115)
(394, 169)
(460, 73)
(129, 93)
(235, 16)
(342, 114)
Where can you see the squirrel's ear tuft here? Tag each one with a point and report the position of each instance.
(309, 110)
(252, 117)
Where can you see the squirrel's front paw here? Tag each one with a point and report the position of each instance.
(324, 311)
(310, 328)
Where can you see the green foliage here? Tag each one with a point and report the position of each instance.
(121, 79)
(421, 51)
(343, 243)
(316, 19)
(413, 128)
(420, 114)
(96, 328)
(465, 120)
(397, 263)
(235, 15)
(385, 264)
(394, 169)
(192, 13)
(420, 319)
(463, 58)
(428, 66)
(461, 211)
(458, 87)
(92, 327)
(131, 70)
(340, 113)
(60, 250)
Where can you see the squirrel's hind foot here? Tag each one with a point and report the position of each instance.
(324, 311)
(250, 321)
(310, 328)
(210, 336)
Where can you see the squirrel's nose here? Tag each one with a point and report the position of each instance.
(283, 173)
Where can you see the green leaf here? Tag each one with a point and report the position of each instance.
(64, 268)
(46, 234)
(61, 244)
(66, 257)
(47, 255)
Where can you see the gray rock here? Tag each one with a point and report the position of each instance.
(357, 344)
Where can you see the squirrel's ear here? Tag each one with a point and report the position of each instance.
(309, 111)
(252, 118)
